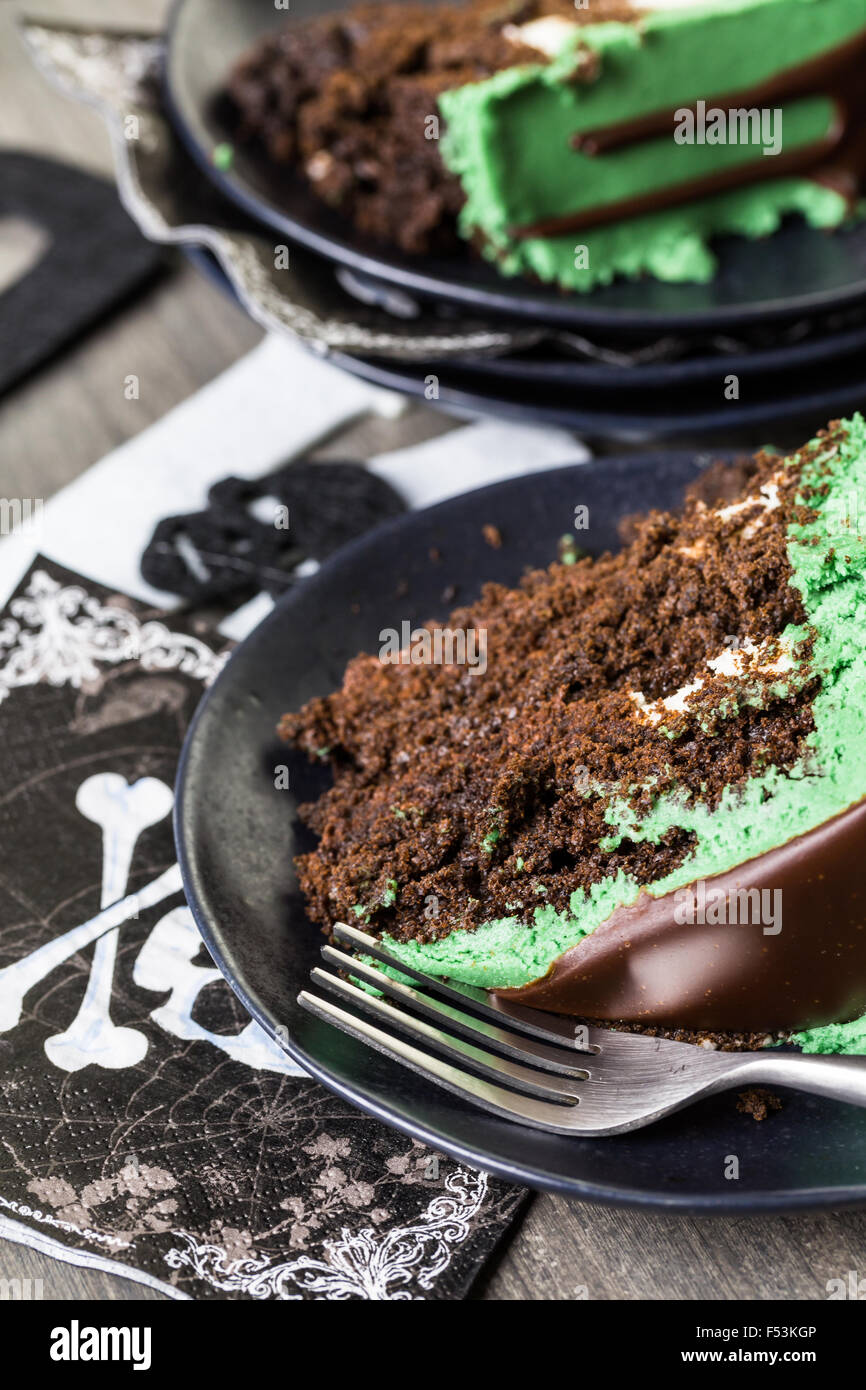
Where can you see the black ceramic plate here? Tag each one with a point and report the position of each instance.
(677, 410)
(237, 835)
(682, 411)
(703, 366)
(797, 271)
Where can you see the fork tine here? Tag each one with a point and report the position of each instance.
(536, 1083)
(522, 1049)
(547, 1027)
(560, 1119)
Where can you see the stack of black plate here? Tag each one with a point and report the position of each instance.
(777, 341)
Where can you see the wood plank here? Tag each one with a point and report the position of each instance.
(564, 1248)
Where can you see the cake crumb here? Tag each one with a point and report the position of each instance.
(493, 536)
(757, 1101)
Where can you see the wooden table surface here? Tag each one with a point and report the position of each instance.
(175, 338)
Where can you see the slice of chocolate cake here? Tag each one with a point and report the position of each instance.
(644, 797)
(572, 143)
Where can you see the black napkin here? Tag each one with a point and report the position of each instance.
(146, 1125)
(95, 257)
(255, 533)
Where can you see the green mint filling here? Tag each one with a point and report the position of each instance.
(834, 1037)
(508, 139)
(828, 561)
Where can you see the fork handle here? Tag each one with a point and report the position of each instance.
(840, 1078)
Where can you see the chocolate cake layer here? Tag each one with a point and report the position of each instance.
(346, 99)
(486, 795)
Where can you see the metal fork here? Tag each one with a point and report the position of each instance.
(544, 1070)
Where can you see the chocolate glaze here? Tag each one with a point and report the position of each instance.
(838, 160)
(643, 966)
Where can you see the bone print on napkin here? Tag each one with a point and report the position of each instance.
(146, 1123)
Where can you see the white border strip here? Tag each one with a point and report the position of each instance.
(86, 1259)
